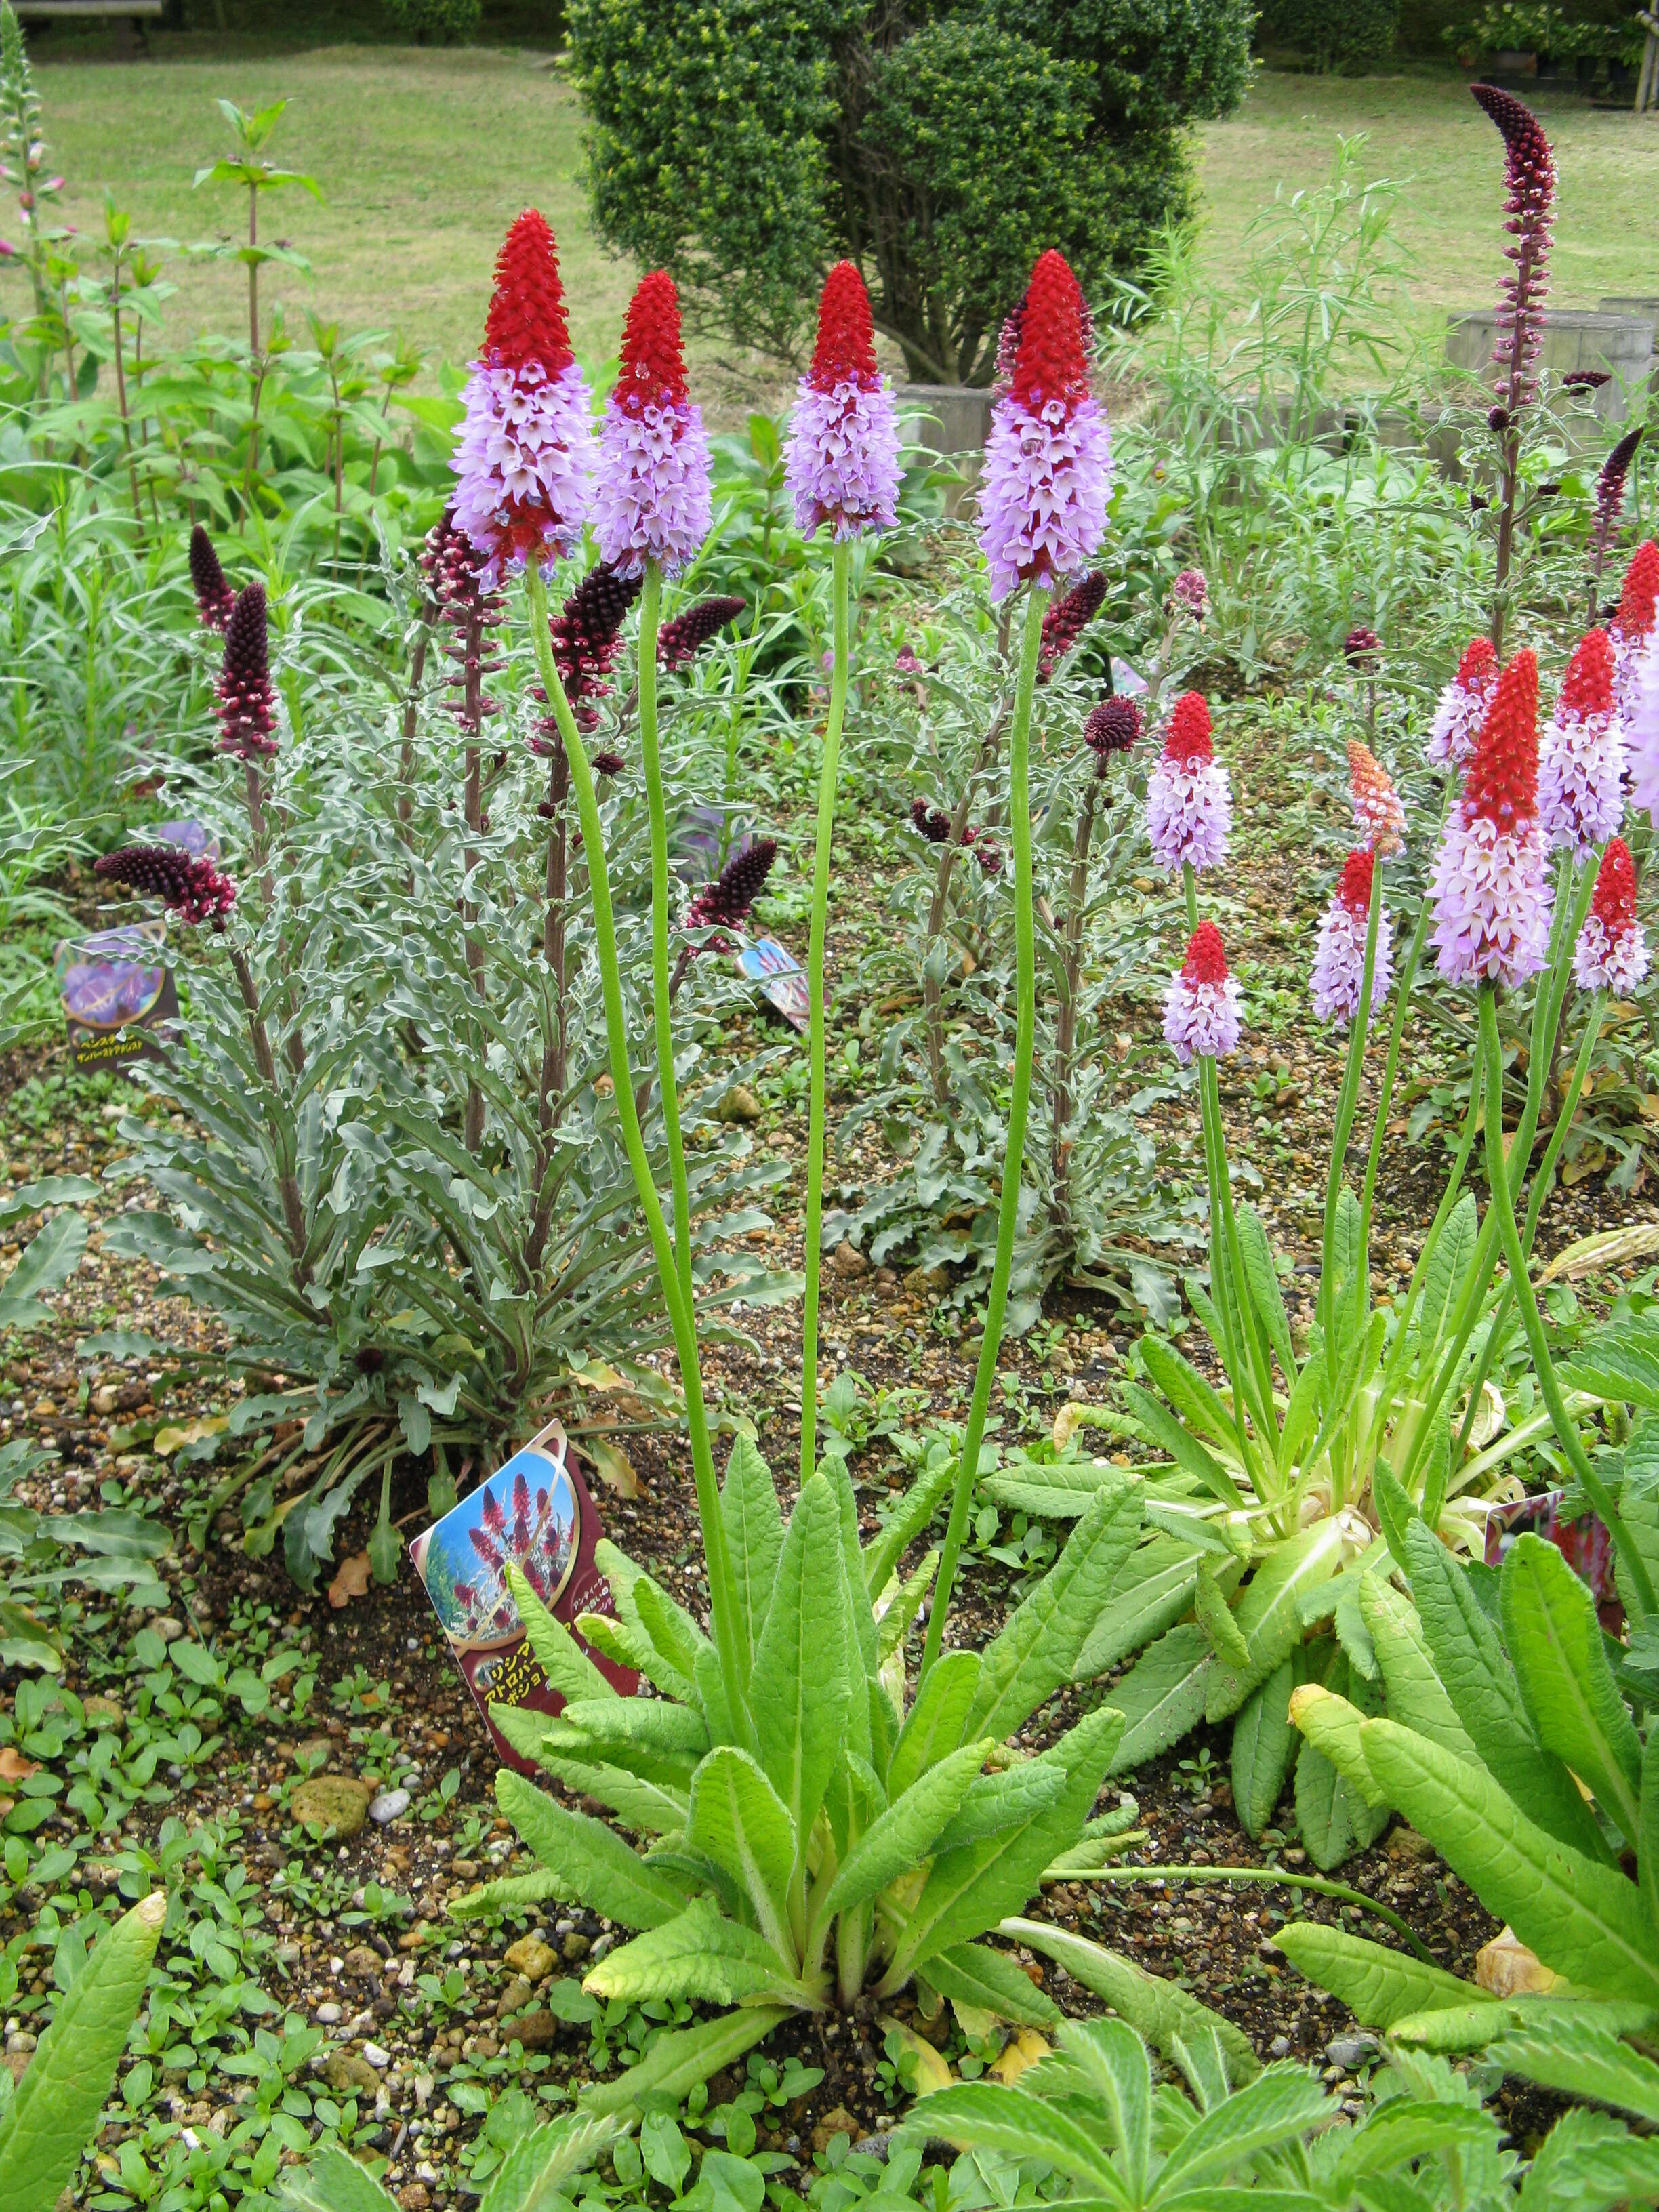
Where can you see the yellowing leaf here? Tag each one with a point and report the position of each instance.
(615, 1468)
(351, 1581)
(168, 1441)
(931, 2072)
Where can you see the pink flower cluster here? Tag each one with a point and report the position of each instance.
(1611, 951)
(1201, 1008)
(1048, 457)
(1462, 706)
(1190, 807)
(1491, 889)
(841, 462)
(1581, 760)
(652, 502)
(1338, 964)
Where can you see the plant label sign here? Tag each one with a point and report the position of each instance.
(782, 979)
(117, 995)
(533, 1513)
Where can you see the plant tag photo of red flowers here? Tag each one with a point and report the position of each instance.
(117, 995)
(534, 1513)
(779, 976)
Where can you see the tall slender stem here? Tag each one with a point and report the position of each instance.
(722, 1589)
(816, 1039)
(661, 998)
(1566, 1427)
(1347, 1100)
(1019, 823)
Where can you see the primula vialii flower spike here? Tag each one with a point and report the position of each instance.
(214, 597)
(187, 884)
(1378, 816)
(842, 459)
(727, 899)
(1610, 493)
(1635, 627)
(1201, 1008)
(1048, 457)
(1490, 887)
(525, 449)
(682, 639)
(1113, 727)
(1189, 805)
(1529, 173)
(1581, 759)
(1462, 706)
(1611, 951)
(652, 502)
(247, 703)
(1189, 595)
(587, 635)
(1339, 965)
(1067, 619)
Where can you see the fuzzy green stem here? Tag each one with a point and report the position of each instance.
(1566, 1428)
(1019, 825)
(1273, 1876)
(842, 565)
(722, 1589)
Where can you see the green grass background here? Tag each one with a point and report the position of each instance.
(426, 156)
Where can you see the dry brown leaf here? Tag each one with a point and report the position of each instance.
(351, 1581)
(13, 1767)
(1609, 1248)
(615, 1468)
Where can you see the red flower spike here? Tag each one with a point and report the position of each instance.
(1614, 903)
(1206, 956)
(1480, 662)
(1502, 784)
(1354, 887)
(1587, 687)
(1640, 597)
(1189, 736)
(846, 349)
(653, 371)
(1051, 363)
(526, 325)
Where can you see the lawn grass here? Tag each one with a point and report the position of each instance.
(425, 157)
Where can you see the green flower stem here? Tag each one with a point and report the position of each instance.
(1272, 1875)
(1566, 1428)
(1544, 1178)
(1222, 1289)
(1019, 823)
(1542, 1184)
(1247, 1349)
(842, 566)
(661, 997)
(1347, 1100)
(722, 1589)
(1189, 886)
(1402, 991)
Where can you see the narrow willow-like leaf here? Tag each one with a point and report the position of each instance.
(974, 1974)
(986, 2116)
(1378, 1986)
(737, 1819)
(1470, 1660)
(1263, 1741)
(1268, 1615)
(1414, 1690)
(678, 2062)
(1262, 1278)
(568, 1668)
(800, 1688)
(1160, 2010)
(700, 1956)
(1154, 1588)
(1583, 1918)
(593, 1864)
(1554, 1643)
(1038, 1646)
(1162, 1696)
(1337, 1814)
(754, 1535)
(934, 1727)
(900, 1838)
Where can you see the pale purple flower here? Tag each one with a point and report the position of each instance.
(1200, 1007)
(1339, 962)
(1604, 963)
(1189, 806)
(523, 458)
(1043, 501)
(842, 461)
(652, 500)
(1492, 900)
(1642, 731)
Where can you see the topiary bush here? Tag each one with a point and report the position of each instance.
(1328, 38)
(436, 22)
(743, 144)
